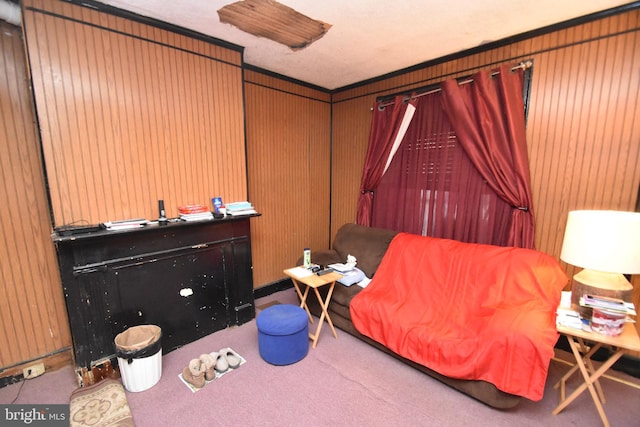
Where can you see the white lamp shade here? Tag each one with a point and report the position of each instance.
(607, 241)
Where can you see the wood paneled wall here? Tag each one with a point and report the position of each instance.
(130, 114)
(33, 318)
(583, 126)
(288, 156)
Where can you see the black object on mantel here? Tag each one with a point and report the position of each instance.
(189, 278)
(162, 217)
(72, 230)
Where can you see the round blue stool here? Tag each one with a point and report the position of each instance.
(283, 334)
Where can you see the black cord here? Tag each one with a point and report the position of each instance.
(19, 390)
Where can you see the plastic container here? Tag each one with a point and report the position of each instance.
(139, 353)
(217, 203)
(607, 322)
(306, 256)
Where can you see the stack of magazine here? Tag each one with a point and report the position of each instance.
(613, 304)
(195, 213)
(240, 208)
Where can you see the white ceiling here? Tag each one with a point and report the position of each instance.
(368, 39)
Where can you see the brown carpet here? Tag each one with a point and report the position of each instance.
(100, 405)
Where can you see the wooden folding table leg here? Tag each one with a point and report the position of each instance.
(325, 307)
(586, 354)
(303, 297)
(325, 314)
(589, 365)
(589, 380)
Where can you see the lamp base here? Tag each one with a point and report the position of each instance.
(603, 280)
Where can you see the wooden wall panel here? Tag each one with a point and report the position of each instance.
(288, 155)
(584, 132)
(350, 119)
(33, 319)
(131, 114)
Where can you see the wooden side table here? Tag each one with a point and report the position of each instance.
(627, 341)
(303, 278)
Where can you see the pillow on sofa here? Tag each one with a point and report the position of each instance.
(367, 244)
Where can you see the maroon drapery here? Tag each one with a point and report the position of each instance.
(488, 119)
(432, 188)
(385, 125)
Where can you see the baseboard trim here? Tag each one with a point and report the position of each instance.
(52, 362)
(271, 288)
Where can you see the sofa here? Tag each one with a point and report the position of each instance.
(372, 246)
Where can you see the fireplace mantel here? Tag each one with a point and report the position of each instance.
(189, 278)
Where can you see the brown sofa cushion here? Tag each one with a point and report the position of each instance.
(367, 244)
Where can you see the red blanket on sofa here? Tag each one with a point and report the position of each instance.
(467, 311)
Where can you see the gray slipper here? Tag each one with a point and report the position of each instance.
(222, 365)
(232, 358)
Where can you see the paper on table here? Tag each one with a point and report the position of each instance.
(300, 272)
(565, 299)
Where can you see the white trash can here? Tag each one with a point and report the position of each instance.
(139, 353)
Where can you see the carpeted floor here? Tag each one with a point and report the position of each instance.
(341, 382)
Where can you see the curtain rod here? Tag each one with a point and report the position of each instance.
(524, 65)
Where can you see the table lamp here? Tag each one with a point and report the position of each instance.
(606, 244)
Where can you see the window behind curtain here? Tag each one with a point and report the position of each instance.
(431, 188)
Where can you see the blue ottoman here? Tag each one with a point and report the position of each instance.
(283, 334)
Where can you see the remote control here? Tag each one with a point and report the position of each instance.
(323, 272)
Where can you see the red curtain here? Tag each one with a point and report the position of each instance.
(432, 188)
(385, 126)
(488, 119)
